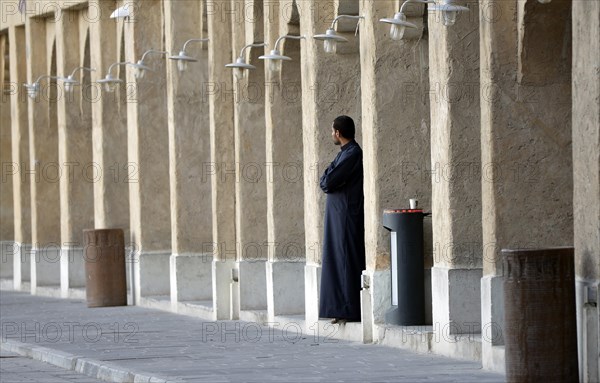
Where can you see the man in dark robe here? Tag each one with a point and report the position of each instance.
(344, 239)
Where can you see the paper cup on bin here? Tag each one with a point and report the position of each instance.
(413, 203)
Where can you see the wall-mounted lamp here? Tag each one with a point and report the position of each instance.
(182, 58)
(110, 82)
(275, 57)
(399, 23)
(34, 88)
(141, 67)
(449, 11)
(240, 64)
(330, 38)
(70, 81)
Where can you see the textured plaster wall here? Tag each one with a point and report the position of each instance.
(220, 93)
(43, 137)
(330, 87)
(148, 141)
(395, 121)
(455, 140)
(526, 136)
(74, 135)
(586, 138)
(109, 127)
(283, 121)
(9, 175)
(20, 136)
(189, 135)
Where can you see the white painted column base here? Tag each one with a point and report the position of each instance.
(285, 288)
(366, 308)
(312, 286)
(72, 269)
(45, 267)
(380, 288)
(252, 285)
(191, 277)
(21, 265)
(7, 255)
(456, 299)
(221, 288)
(588, 329)
(492, 323)
(150, 274)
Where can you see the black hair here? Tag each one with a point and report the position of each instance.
(345, 125)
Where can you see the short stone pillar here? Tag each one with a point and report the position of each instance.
(540, 328)
(106, 281)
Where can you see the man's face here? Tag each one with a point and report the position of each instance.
(335, 134)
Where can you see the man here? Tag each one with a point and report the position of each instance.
(344, 243)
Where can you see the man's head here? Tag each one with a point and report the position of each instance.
(342, 130)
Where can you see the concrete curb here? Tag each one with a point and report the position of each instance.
(93, 368)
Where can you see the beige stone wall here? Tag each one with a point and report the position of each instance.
(330, 87)
(147, 132)
(220, 93)
(109, 126)
(20, 136)
(9, 169)
(74, 134)
(189, 134)
(283, 113)
(43, 138)
(455, 140)
(249, 135)
(586, 139)
(395, 120)
(526, 131)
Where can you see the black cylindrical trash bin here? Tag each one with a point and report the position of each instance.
(408, 286)
(540, 332)
(104, 254)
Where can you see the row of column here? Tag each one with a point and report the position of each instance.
(474, 120)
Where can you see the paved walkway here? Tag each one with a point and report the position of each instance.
(15, 368)
(127, 343)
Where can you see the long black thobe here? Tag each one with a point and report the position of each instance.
(344, 244)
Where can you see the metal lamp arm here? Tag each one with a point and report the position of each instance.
(345, 17)
(193, 40)
(81, 68)
(287, 37)
(115, 64)
(43, 77)
(415, 1)
(251, 45)
(153, 51)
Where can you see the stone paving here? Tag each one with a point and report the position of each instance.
(185, 349)
(15, 368)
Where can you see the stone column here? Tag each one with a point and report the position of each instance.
(74, 153)
(219, 91)
(395, 121)
(109, 126)
(189, 150)
(586, 188)
(330, 87)
(148, 152)
(250, 187)
(284, 174)
(20, 157)
(9, 168)
(456, 176)
(527, 187)
(43, 149)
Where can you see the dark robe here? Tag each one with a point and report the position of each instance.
(344, 240)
